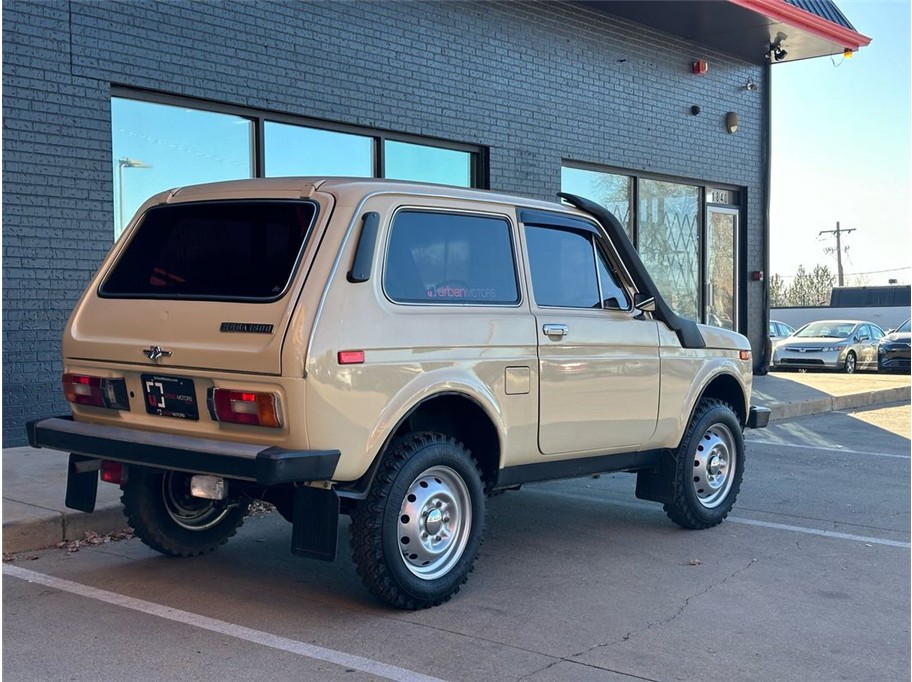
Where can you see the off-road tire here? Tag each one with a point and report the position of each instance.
(415, 537)
(708, 467)
(151, 500)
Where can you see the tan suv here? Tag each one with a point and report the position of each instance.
(392, 351)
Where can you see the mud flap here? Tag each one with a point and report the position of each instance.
(316, 523)
(82, 483)
(657, 484)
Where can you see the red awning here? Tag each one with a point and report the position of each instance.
(748, 28)
(831, 37)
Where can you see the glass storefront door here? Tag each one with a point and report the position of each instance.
(720, 299)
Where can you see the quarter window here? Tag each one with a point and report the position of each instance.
(445, 258)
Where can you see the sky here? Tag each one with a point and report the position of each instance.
(841, 152)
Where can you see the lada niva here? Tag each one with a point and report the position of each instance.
(392, 351)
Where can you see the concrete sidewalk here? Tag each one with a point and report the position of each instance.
(34, 481)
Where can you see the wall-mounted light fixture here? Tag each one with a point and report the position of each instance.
(699, 67)
(695, 109)
(775, 48)
(731, 122)
(750, 86)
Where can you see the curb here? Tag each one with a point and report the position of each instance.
(56, 527)
(837, 403)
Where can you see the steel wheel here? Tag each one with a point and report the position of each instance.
(707, 467)
(415, 536)
(188, 512)
(434, 521)
(715, 461)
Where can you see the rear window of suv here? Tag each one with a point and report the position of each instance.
(226, 250)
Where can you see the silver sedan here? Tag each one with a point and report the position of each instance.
(844, 345)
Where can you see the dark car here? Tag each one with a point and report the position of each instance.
(893, 350)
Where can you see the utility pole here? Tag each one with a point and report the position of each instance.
(838, 232)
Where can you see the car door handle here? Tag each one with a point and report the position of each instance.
(556, 329)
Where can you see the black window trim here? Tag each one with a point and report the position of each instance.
(478, 154)
(293, 273)
(511, 227)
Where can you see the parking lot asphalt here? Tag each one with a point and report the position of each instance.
(34, 480)
(807, 580)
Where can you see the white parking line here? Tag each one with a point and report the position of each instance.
(292, 646)
(823, 533)
(832, 449)
(737, 519)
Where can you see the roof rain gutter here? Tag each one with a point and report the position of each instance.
(786, 13)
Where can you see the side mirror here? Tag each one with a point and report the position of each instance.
(644, 302)
(862, 337)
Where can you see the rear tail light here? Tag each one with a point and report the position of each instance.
(96, 391)
(245, 407)
(112, 472)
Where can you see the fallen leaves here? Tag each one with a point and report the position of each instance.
(91, 538)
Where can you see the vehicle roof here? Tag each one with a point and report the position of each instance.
(840, 322)
(346, 190)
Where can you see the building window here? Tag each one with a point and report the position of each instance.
(667, 229)
(298, 150)
(158, 146)
(447, 258)
(407, 161)
(162, 141)
(614, 192)
(686, 234)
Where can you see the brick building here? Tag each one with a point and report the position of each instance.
(659, 110)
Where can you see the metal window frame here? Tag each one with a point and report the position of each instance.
(703, 186)
(478, 154)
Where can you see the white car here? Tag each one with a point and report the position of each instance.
(778, 331)
(844, 345)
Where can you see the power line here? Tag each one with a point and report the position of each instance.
(858, 274)
(878, 272)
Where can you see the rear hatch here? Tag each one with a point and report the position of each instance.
(212, 283)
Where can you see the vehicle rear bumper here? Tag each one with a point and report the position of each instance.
(758, 417)
(265, 465)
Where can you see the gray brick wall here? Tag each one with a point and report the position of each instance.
(536, 82)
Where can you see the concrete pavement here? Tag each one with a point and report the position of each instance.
(34, 480)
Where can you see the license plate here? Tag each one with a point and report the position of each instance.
(170, 396)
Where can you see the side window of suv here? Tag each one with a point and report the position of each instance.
(447, 258)
(570, 271)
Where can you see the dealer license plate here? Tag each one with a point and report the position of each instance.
(170, 396)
